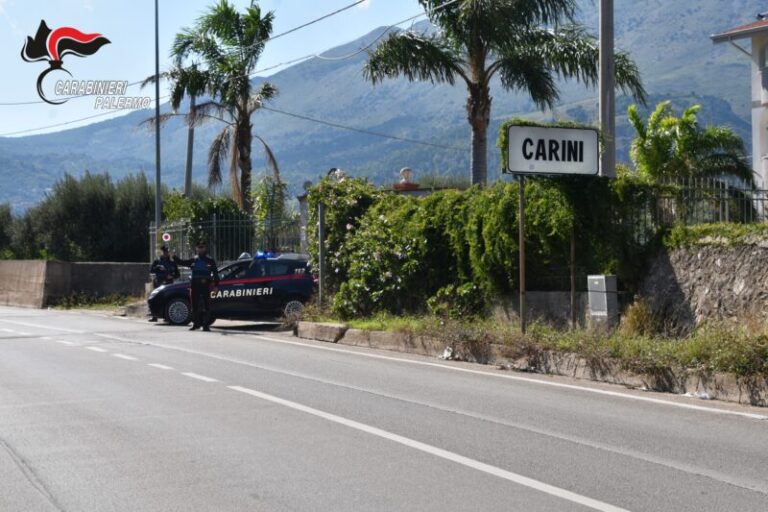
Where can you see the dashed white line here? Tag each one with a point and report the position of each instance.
(64, 342)
(41, 326)
(199, 377)
(160, 366)
(97, 349)
(123, 356)
(439, 452)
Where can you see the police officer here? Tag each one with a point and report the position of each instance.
(204, 272)
(164, 271)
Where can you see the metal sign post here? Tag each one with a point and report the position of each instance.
(321, 253)
(521, 244)
(548, 151)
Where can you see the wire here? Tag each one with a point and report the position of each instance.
(321, 18)
(286, 63)
(361, 130)
(271, 38)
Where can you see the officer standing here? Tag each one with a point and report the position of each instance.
(164, 271)
(204, 272)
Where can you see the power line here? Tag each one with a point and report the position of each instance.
(361, 130)
(271, 38)
(321, 18)
(286, 63)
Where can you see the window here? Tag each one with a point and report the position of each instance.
(256, 269)
(233, 272)
(277, 269)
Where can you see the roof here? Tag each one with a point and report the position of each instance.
(741, 32)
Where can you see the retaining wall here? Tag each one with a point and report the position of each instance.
(37, 283)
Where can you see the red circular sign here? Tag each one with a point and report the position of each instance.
(166, 237)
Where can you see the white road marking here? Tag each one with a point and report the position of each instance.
(41, 326)
(604, 392)
(46, 338)
(97, 349)
(160, 366)
(8, 330)
(199, 377)
(123, 356)
(438, 452)
(64, 342)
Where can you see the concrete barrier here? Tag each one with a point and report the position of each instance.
(22, 283)
(38, 283)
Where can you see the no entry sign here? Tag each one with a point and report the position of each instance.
(166, 237)
(538, 150)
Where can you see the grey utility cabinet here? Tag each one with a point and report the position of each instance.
(603, 300)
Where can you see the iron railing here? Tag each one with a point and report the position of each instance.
(227, 238)
(709, 200)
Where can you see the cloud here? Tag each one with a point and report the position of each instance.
(363, 5)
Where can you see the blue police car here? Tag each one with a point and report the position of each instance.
(264, 286)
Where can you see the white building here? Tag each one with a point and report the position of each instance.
(757, 34)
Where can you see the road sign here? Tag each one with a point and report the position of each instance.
(166, 237)
(539, 150)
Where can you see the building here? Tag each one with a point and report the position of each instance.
(757, 34)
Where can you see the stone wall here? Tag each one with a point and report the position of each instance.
(687, 287)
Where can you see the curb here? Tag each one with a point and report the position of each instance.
(701, 384)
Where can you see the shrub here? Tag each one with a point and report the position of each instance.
(457, 302)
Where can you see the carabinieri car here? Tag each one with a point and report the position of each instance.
(265, 286)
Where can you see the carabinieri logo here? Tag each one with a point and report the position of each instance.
(53, 45)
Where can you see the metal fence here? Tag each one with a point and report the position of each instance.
(227, 238)
(709, 200)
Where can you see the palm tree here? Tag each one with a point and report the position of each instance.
(670, 147)
(226, 46)
(527, 43)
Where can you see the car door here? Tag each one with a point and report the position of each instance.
(229, 298)
(277, 286)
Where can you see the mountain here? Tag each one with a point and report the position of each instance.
(669, 40)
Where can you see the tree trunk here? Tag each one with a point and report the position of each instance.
(479, 116)
(244, 163)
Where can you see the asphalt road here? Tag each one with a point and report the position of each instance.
(108, 414)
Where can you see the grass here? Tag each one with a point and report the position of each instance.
(94, 302)
(737, 349)
(718, 234)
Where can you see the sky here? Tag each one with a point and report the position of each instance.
(129, 26)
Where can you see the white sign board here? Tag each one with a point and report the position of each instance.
(537, 150)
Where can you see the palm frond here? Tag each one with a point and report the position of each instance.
(216, 155)
(416, 57)
(271, 160)
(151, 122)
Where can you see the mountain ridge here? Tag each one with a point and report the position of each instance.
(670, 42)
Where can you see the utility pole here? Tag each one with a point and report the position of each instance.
(158, 201)
(190, 149)
(607, 90)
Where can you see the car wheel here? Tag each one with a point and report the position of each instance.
(178, 312)
(293, 308)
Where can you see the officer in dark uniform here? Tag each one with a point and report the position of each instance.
(204, 272)
(164, 271)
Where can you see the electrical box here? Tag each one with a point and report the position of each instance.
(603, 299)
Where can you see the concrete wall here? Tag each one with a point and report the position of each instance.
(551, 307)
(22, 283)
(37, 283)
(109, 278)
